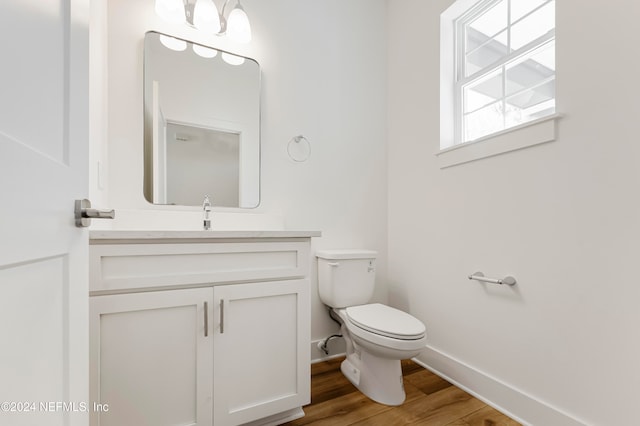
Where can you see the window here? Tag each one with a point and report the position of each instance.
(504, 66)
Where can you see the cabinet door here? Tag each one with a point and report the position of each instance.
(261, 351)
(151, 358)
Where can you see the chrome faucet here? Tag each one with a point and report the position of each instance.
(206, 208)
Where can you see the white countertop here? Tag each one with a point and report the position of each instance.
(109, 236)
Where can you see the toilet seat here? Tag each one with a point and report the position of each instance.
(384, 346)
(386, 321)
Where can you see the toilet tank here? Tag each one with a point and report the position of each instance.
(346, 277)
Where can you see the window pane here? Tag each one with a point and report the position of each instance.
(474, 39)
(492, 21)
(483, 91)
(533, 26)
(530, 98)
(487, 54)
(531, 104)
(531, 69)
(483, 122)
(515, 85)
(519, 8)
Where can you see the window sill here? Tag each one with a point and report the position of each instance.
(529, 134)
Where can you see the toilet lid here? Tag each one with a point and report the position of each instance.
(387, 321)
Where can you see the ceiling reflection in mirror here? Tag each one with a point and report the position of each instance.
(201, 125)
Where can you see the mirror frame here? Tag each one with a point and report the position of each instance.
(254, 157)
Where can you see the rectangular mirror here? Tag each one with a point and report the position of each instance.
(201, 125)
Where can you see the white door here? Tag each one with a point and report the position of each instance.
(43, 168)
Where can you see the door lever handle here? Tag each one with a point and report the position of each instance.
(84, 213)
(98, 214)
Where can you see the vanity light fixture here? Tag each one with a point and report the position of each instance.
(204, 15)
(238, 27)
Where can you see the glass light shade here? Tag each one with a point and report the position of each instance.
(205, 52)
(173, 43)
(238, 26)
(232, 59)
(206, 17)
(171, 11)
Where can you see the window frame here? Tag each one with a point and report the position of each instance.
(460, 80)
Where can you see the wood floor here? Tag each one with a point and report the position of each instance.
(430, 401)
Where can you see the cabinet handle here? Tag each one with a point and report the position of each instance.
(221, 316)
(206, 319)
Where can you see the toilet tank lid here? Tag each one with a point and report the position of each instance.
(347, 254)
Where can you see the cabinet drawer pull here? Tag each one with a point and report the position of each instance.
(206, 319)
(221, 316)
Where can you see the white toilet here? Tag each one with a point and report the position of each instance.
(377, 336)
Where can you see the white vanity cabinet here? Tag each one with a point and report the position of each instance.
(151, 358)
(259, 350)
(199, 328)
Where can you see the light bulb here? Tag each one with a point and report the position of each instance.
(238, 26)
(206, 17)
(171, 11)
(173, 43)
(205, 52)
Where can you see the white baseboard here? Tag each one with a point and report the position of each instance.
(501, 396)
(336, 348)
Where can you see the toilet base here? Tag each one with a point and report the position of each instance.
(378, 378)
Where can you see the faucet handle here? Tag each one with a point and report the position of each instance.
(206, 207)
(206, 204)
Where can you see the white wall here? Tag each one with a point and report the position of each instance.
(323, 76)
(207, 163)
(563, 218)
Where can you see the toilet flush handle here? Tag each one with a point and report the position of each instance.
(333, 263)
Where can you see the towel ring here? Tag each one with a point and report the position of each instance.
(299, 149)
